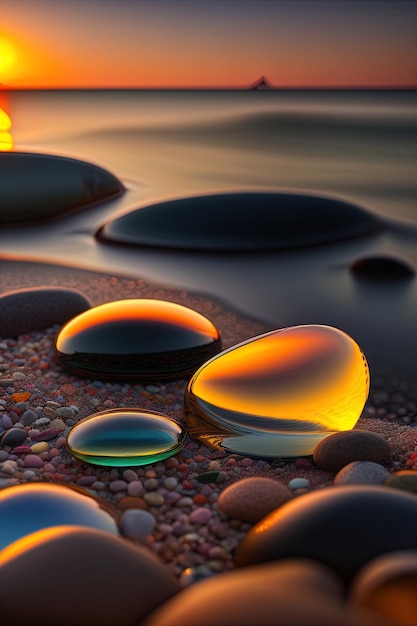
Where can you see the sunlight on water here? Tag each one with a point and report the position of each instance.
(6, 138)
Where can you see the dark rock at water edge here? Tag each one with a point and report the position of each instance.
(342, 527)
(381, 268)
(35, 187)
(25, 310)
(239, 222)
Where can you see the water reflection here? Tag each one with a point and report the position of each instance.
(6, 137)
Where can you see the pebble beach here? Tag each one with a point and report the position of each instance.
(276, 485)
(171, 507)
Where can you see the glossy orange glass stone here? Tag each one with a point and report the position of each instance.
(279, 394)
(138, 340)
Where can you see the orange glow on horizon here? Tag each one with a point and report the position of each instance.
(228, 44)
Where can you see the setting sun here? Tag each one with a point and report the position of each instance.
(8, 55)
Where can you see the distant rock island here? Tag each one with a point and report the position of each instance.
(262, 84)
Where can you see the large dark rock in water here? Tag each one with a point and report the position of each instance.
(34, 187)
(342, 527)
(241, 222)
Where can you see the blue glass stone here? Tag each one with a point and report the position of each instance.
(27, 508)
(125, 437)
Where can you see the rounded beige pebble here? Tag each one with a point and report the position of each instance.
(111, 581)
(251, 499)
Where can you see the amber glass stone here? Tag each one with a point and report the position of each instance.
(125, 437)
(278, 394)
(137, 340)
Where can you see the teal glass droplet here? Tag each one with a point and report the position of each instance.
(125, 437)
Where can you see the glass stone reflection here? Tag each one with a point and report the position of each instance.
(137, 340)
(279, 394)
(25, 509)
(125, 437)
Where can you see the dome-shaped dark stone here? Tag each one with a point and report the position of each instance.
(34, 187)
(342, 527)
(137, 339)
(240, 222)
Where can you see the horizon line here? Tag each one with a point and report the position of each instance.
(218, 88)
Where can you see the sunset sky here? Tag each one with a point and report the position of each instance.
(207, 43)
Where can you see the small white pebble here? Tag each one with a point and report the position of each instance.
(299, 483)
(42, 421)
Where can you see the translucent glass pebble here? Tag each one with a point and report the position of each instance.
(27, 508)
(241, 222)
(125, 437)
(137, 340)
(278, 394)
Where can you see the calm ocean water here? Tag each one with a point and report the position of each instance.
(356, 146)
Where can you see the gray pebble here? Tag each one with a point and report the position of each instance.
(362, 473)
(42, 421)
(28, 417)
(65, 412)
(137, 524)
